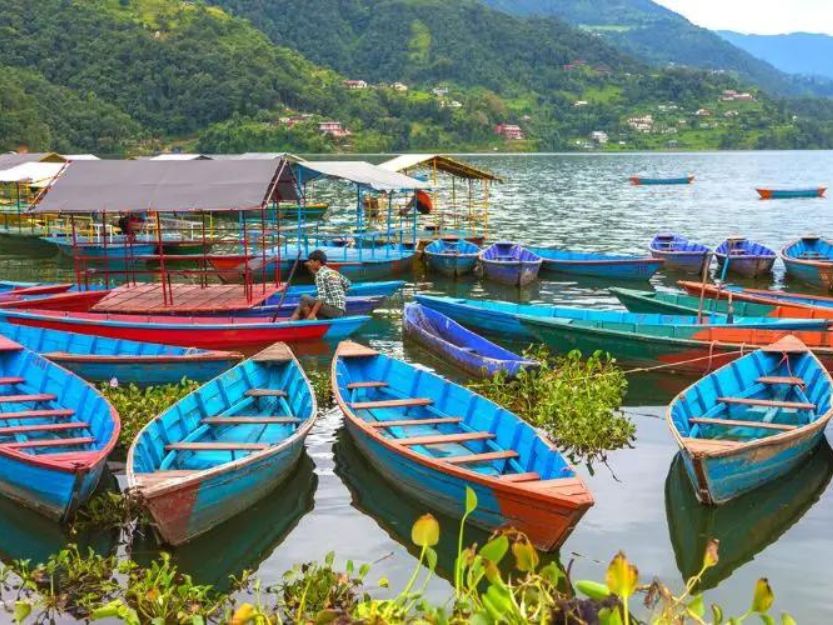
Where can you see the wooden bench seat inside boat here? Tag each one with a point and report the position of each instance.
(251, 420)
(484, 457)
(520, 477)
(151, 479)
(392, 403)
(770, 403)
(730, 423)
(441, 439)
(46, 427)
(412, 422)
(37, 414)
(368, 384)
(265, 392)
(781, 379)
(707, 446)
(10, 380)
(51, 442)
(13, 399)
(216, 446)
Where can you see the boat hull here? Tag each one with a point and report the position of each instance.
(637, 269)
(815, 273)
(230, 268)
(520, 273)
(686, 262)
(747, 266)
(641, 181)
(789, 194)
(452, 265)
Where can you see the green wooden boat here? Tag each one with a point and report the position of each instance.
(673, 303)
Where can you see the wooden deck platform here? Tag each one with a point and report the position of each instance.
(187, 299)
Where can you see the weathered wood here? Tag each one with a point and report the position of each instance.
(520, 477)
(485, 457)
(351, 349)
(355, 385)
(265, 392)
(250, 420)
(11, 380)
(44, 427)
(401, 423)
(151, 479)
(392, 403)
(729, 423)
(769, 403)
(440, 439)
(37, 414)
(707, 446)
(52, 442)
(279, 352)
(185, 298)
(13, 399)
(779, 379)
(218, 446)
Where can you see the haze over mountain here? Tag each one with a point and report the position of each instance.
(796, 53)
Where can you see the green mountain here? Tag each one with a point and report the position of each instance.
(658, 35)
(796, 53)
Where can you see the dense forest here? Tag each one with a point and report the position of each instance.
(123, 77)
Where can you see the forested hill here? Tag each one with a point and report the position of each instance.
(809, 54)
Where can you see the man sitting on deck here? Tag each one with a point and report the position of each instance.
(332, 288)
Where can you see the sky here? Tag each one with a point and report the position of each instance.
(762, 17)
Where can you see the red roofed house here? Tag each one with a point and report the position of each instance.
(510, 131)
(334, 129)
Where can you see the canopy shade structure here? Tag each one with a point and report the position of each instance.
(178, 157)
(34, 174)
(361, 173)
(81, 157)
(168, 186)
(13, 159)
(440, 162)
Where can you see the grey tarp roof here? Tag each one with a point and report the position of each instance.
(13, 159)
(166, 186)
(360, 173)
(453, 166)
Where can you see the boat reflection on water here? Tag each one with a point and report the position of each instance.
(395, 512)
(745, 526)
(244, 541)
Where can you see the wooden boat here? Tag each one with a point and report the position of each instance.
(746, 258)
(509, 263)
(504, 318)
(118, 253)
(779, 303)
(56, 433)
(679, 253)
(451, 257)
(786, 194)
(32, 289)
(613, 266)
(810, 260)
(431, 439)
(643, 181)
(746, 525)
(458, 346)
(101, 359)
(305, 213)
(752, 421)
(224, 446)
(672, 303)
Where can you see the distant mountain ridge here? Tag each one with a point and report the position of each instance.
(796, 53)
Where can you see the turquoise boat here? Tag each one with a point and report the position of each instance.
(612, 266)
(645, 181)
(118, 253)
(810, 260)
(224, 446)
(56, 432)
(790, 194)
(432, 439)
(451, 257)
(675, 303)
(752, 421)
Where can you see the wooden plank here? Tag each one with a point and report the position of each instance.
(279, 352)
(769, 403)
(187, 298)
(43, 427)
(520, 477)
(779, 379)
(707, 446)
(764, 425)
(486, 457)
(355, 385)
(265, 392)
(251, 420)
(151, 479)
(11, 380)
(52, 442)
(11, 399)
(37, 414)
(351, 349)
(392, 403)
(440, 439)
(218, 446)
(402, 423)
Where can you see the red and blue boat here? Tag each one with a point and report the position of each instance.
(679, 253)
(752, 421)
(456, 345)
(646, 181)
(745, 258)
(451, 257)
(612, 266)
(510, 263)
(789, 194)
(224, 446)
(56, 432)
(432, 439)
(810, 260)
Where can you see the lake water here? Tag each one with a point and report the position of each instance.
(643, 503)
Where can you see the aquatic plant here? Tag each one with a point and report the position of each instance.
(576, 401)
(321, 385)
(108, 510)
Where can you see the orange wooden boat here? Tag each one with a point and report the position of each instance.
(784, 305)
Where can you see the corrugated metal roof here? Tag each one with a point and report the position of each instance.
(361, 173)
(443, 163)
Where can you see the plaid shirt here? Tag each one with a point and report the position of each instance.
(332, 287)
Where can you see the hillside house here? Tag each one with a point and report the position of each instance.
(355, 84)
(334, 129)
(440, 92)
(452, 104)
(645, 123)
(703, 113)
(580, 103)
(399, 86)
(599, 137)
(512, 132)
(730, 95)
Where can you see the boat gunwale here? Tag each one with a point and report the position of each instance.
(823, 263)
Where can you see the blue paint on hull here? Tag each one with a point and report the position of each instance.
(451, 258)
(613, 266)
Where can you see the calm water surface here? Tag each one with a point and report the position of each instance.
(643, 503)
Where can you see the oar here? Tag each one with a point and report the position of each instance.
(730, 313)
(287, 285)
(706, 263)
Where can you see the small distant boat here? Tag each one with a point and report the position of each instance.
(746, 258)
(221, 448)
(613, 266)
(810, 260)
(509, 263)
(451, 257)
(457, 345)
(642, 180)
(56, 432)
(679, 253)
(118, 253)
(432, 439)
(752, 421)
(786, 194)
(100, 359)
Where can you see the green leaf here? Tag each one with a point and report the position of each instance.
(696, 607)
(786, 619)
(425, 531)
(431, 559)
(552, 573)
(622, 577)
(763, 597)
(22, 610)
(592, 589)
(495, 549)
(766, 619)
(383, 582)
(526, 557)
(471, 500)
(717, 614)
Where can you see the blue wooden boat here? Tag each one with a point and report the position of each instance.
(101, 359)
(810, 260)
(457, 345)
(224, 446)
(753, 420)
(679, 253)
(385, 288)
(613, 266)
(509, 263)
(505, 318)
(788, 194)
(451, 257)
(644, 181)
(746, 258)
(56, 431)
(432, 439)
(117, 254)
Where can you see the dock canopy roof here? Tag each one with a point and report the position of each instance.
(168, 186)
(34, 174)
(13, 159)
(361, 173)
(440, 162)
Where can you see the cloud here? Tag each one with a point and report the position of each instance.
(764, 17)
